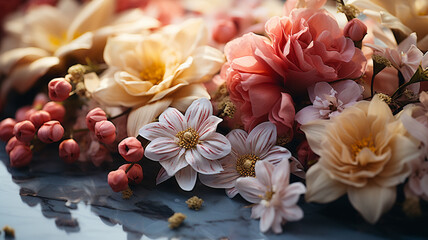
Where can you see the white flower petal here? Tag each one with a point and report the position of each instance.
(162, 176)
(161, 149)
(186, 178)
(292, 194)
(231, 192)
(292, 213)
(276, 154)
(225, 179)
(237, 139)
(281, 175)
(320, 187)
(264, 171)
(202, 165)
(262, 138)
(370, 207)
(250, 189)
(184, 96)
(214, 146)
(175, 164)
(156, 130)
(267, 219)
(314, 132)
(257, 211)
(198, 112)
(82, 42)
(208, 126)
(173, 119)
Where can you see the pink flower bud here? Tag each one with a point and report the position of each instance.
(20, 156)
(117, 180)
(6, 129)
(130, 149)
(40, 100)
(94, 116)
(59, 89)
(105, 131)
(57, 111)
(135, 174)
(39, 117)
(69, 150)
(12, 143)
(355, 30)
(24, 131)
(224, 30)
(21, 113)
(98, 153)
(50, 132)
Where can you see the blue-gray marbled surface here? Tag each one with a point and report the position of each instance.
(51, 200)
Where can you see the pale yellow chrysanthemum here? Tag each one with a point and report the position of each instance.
(365, 152)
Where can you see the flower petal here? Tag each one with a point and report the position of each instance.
(237, 139)
(225, 179)
(314, 132)
(371, 208)
(292, 194)
(198, 112)
(267, 219)
(162, 176)
(320, 187)
(175, 164)
(231, 192)
(202, 165)
(250, 189)
(293, 213)
(208, 126)
(184, 96)
(214, 146)
(264, 171)
(262, 138)
(186, 178)
(276, 154)
(161, 149)
(173, 120)
(156, 130)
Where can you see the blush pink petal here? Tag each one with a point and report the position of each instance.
(264, 173)
(292, 213)
(250, 189)
(267, 219)
(195, 159)
(227, 177)
(262, 138)
(276, 154)
(186, 178)
(231, 192)
(292, 194)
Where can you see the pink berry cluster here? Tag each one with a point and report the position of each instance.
(132, 151)
(39, 122)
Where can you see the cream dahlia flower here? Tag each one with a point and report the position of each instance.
(53, 36)
(187, 145)
(364, 152)
(151, 73)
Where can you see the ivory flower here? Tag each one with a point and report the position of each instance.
(275, 199)
(48, 36)
(185, 145)
(247, 149)
(364, 152)
(151, 73)
(403, 15)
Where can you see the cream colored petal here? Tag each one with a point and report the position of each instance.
(17, 56)
(188, 36)
(207, 61)
(92, 81)
(133, 85)
(118, 46)
(82, 42)
(423, 43)
(94, 15)
(25, 76)
(166, 92)
(320, 187)
(314, 132)
(187, 94)
(372, 201)
(145, 114)
(380, 112)
(392, 22)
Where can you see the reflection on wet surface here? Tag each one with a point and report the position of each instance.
(50, 200)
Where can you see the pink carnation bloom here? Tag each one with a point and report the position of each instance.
(247, 149)
(274, 198)
(185, 145)
(329, 100)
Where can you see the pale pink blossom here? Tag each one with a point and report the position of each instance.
(39, 117)
(51, 131)
(417, 186)
(329, 100)
(56, 110)
(69, 150)
(117, 180)
(185, 145)
(6, 129)
(131, 149)
(20, 156)
(247, 150)
(134, 174)
(24, 131)
(274, 198)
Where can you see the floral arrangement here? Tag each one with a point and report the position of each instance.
(238, 94)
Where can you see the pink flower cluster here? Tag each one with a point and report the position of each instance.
(265, 77)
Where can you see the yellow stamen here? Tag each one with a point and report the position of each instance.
(361, 144)
(245, 165)
(154, 73)
(188, 138)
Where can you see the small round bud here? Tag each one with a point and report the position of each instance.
(56, 110)
(69, 150)
(24, 131)
(94, 116)
(50, 132)
(59, 89)
(21, 113)
(131, 149)
(39, 117)
(20, 156)
(105, 131)
(12, 143)
(6, 129)
(224, 30)
(40, 100)
(135, 173)
(117, 180)
(355, 30)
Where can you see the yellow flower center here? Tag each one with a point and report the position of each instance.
(268, 195)
(154, 73)
(363, 143)
(421, 7)
(188, 138)
(245, 165)
(59, 41)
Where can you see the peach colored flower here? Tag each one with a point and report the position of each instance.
(151, 73)
(364, 152)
